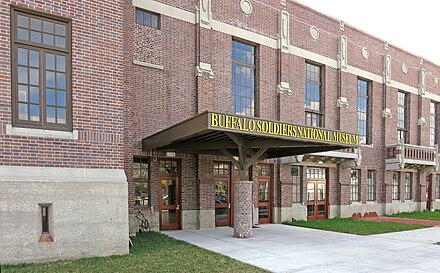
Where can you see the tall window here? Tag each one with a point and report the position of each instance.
(432, 124)
(141, 181)
(402, 115)
(408, 186)
(313, 96)
(395, 190)
(437, 186)
(243, 79)
(41, 71)
(371, 185)
(296, 187)
(362, 111)
(355, 174)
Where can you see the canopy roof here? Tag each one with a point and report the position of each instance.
(225, 134)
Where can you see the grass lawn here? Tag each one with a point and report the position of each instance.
(354, 226)
(152, 252)
(424, 215)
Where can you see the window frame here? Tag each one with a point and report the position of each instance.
(405, 107)
(308, 111)
(408, 186)
(395, 187)
(432, 123)
(355, 187)
(146, 161)
(297, 186)
(254, 68)
(367, 113)
(143, 20)
(437, 186)
(371, 185)
(42, 49)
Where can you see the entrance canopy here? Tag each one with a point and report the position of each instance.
(231, 135)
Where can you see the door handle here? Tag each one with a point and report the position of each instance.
(229, 205)
(177, 207)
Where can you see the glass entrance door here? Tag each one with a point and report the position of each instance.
(264, 216)
(222, 202)
(316, 200)
(429, 179)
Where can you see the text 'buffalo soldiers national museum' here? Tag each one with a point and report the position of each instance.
(201, 114)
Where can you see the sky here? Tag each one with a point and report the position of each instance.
(411, 25)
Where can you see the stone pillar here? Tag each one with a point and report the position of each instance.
(243, 209)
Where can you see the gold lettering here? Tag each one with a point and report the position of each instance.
(234, 123)
(228, 121)
(259, 126)
(239, 126)
(276, 128)
(214, 120)
(252, 125)
(265, 127)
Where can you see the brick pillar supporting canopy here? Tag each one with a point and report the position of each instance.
(243, 209)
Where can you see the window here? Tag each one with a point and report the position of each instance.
(355, 174)
(371, 185)
(408, 186)
(402, 114)
(313, 96)
(432, 124)
(243, 79)
(41, 71)
(296, 185)
(147, 18)
(168, 167)
(141, 181)
(395, 190)
(44, 218)
(437, 186)
(362, 111)
(221, 168)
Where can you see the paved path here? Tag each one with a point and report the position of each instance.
(281, 248)
(430, 223)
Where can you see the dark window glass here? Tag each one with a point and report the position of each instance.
(315, 173)
(45, 218)
(395, 190)
(402, 114)
(141, 181)
(437, 187)
(432, 124)
(243, 79)
(168, 167)
(296, 187)
(147, 18)
(313, 96)
(363, 111)
(221, 168)
(371, 185)
(355, 175)
(41, 89)
(408, 186)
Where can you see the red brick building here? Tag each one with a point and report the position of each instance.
(281, 61)
(188, 101)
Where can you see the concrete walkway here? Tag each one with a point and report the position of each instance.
(281, 248)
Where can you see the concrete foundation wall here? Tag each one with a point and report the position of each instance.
(206, 219)
(299, 212)
(436, 205)
(190, 219)
(151, 216)
(345, 211)
(407, 206)
(88, 215)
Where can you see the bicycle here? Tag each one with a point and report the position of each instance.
(144, 225)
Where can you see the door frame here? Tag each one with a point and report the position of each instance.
(176, 176)
(268, 179)
(317, 181)
(430, 179)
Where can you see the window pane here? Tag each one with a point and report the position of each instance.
(50, 61)
(23, 111)
(48, 27)
(34, 94)
(61, 80)
(50, 97)
(61, 98)
(22, 56)
(48, 39)
(139, 17)
(50, 114)
(61, 115)
(36, 24)
(34, 58)
(22, 21)
(50, 79)
(35, 112)
(22, 93)
(36, 37)
(23, 34)
(154, 21)
(61, 63)
(60, 30)
(60, 42)
(22, 74)
(34, 76)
